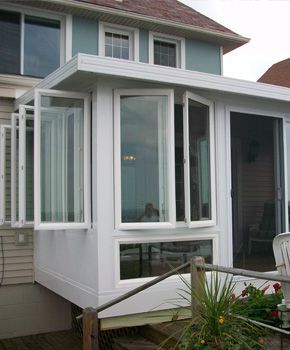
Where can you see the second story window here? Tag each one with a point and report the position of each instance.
(166, 50)
(30, 45)
(118, 42)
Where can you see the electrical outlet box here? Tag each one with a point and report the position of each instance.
(21, 238)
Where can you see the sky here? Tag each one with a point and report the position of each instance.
(265, 22)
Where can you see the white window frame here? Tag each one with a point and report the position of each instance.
(38, 225)
(178, 41)
(120, 283)
(200, 223)
(14, 171)
(170, 159)
(3, 144)
(20, 196)
(65, 30)
(133, 34)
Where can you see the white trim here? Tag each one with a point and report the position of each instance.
(249, 111)
(68, 37)
(286, 121)
(133, 34)
(14, 170)
(178, 41)
(37, 161)
(201, 223)
(170, 158)
(222, 60)
(210, 236)
(159, 74)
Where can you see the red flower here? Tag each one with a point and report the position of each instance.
(233, 296)
(273, 314)
(277, 287)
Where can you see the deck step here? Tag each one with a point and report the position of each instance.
(134, 343)
(167, 334)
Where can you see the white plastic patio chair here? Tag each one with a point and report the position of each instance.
(281, 248)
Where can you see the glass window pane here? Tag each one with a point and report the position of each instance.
(116, 52)
(62, 159)
(144, 177)
(116, 45)
(179, 164)
(125, 53)
(29, 178)
(41, 46)
(164, 53)
(108, 38)
(108, 50)
(199, 161)
(154, 259)
(10, 42)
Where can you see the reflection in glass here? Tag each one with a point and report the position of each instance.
(62, 160)
(10, 42)
(199, 161)
(164, 53)
(144, 182)
(117, 45)
(41, 46)
(156, 258)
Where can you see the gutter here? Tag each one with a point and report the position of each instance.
(236, 38)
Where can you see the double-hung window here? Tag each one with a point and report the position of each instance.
(5, 179)
(62, 160)
(166, 50)
(144, 159)
(118, 42)
(31, 44)
(22, 162)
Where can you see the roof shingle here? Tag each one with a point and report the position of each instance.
(278, 74)
(171, 10)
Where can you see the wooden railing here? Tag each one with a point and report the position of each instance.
(91, 322)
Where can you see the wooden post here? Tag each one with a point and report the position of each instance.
(90, 329)
(197, 280)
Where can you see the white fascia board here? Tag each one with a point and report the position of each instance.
(49, 82)
(113, 11)
(181, 77)
(158, 74)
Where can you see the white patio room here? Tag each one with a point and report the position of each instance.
(139, 167)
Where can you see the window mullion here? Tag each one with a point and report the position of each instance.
(14, 170)
(22, 29)
(22, 166)
(186, 160)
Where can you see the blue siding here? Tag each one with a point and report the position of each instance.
(143, 45)
(202, 57)
(85, 34)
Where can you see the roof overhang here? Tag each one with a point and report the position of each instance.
(229, 41)
(80, 73)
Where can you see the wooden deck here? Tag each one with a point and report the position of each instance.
(65, 340)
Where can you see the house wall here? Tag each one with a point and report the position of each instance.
(199, 56)
(202, 57)
(30, 309)
(85, 33)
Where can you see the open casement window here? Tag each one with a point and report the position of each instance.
(22, 167)
(199, 170)
(5, 170)
(62, 160)
(144, 159)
